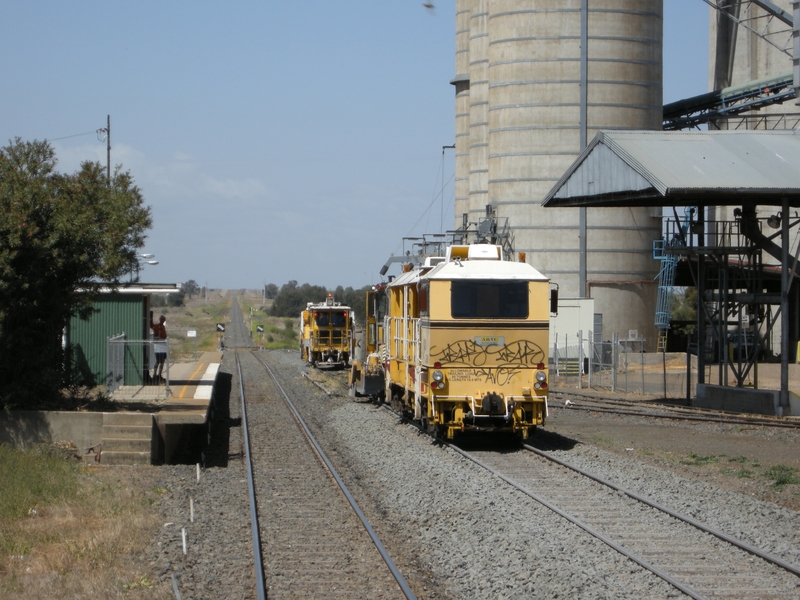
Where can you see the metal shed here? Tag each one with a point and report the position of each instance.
(704, 169)
(118, 310)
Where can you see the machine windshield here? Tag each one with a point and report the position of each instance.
(489, 299)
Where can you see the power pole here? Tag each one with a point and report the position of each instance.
(107, 133)
(108, 148)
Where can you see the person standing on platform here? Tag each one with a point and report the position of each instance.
(159, 345)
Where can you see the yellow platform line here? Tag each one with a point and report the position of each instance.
(183, 389)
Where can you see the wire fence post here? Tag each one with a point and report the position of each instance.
(689, 369)
(591, 355)
(554, 357)
(580, 359)
(641, 359)
(614, 360)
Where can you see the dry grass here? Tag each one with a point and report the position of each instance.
(279, 332)
(84, 541)
(202, 315)
(197, 314)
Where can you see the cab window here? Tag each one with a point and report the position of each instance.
(489, 299)
(423, 299)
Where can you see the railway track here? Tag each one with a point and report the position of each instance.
(665, 411)
(696, 559)
(698, 563)
(314, 539)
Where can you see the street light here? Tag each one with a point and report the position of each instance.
(774, 221)
(144, 259)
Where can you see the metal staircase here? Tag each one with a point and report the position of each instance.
(666, 281)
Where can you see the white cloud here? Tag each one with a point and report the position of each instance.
(177, 179)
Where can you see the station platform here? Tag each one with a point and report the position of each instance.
(185, 396)
(148, 424)
(190, 389)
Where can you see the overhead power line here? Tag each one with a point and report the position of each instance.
(70, 136)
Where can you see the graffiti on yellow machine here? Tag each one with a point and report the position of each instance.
(465, 342)
(325, 334)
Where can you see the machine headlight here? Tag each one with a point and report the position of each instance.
(541, 376)
(438, 376)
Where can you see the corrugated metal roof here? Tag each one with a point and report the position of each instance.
(141, 288)
(655, 168)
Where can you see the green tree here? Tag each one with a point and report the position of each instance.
(190, 288)
(61, 238)
(684, 310)
(292, 299)
(270, 291)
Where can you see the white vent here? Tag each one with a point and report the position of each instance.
(483, 252)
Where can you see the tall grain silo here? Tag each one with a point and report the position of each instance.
(527, 101)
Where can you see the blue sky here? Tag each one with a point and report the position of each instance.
(273, 140)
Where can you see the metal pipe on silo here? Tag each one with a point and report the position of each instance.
(461, 83)
(584, 134)
(478, 104)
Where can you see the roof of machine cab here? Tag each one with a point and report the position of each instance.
(482, 261)
(473, 261)
(328, 304)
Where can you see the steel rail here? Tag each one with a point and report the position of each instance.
(690, 412)
(574, 520)
(694, 523)
(261, 591)
(794, 569)
(587, 528)
(679, 417)
(362, 517)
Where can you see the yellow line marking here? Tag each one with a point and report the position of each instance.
(191, 377)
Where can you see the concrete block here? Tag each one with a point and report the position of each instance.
(29, 427)
(733, 399)
(128, 418)
(127, 445)
(794, 405)
(127, 431)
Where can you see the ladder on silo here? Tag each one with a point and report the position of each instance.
(666, 281)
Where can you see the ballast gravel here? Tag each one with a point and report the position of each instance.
(479, 537)
(761, 524)
(218, 562)
(453, 529)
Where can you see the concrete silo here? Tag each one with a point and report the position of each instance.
(528, 99)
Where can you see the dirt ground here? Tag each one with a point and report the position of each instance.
(734, 457)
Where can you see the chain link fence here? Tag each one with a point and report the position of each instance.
(130, 368)
(618, 365)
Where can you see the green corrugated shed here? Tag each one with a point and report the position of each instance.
(87, 340)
